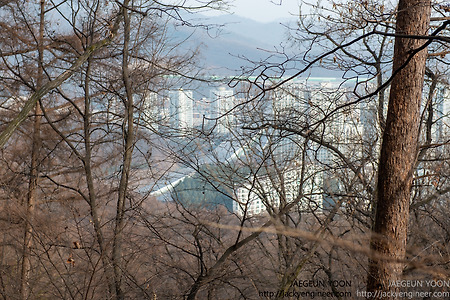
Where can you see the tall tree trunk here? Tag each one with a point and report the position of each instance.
(128, 133)
(34, 169)
(399, 148)
(92, 199)
(87, 162)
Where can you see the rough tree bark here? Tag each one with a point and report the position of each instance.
(399, 148)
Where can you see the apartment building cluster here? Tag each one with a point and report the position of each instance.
(185, 112)
(314, 111)
(322, 110)
(339, 124)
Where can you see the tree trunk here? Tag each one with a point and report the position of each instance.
(34, 169)
(128, 133)
(87, 162)
(399, 148)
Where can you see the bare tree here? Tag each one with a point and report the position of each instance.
(88, 129)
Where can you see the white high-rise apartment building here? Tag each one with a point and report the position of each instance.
(289, 98)
(267, 192)
(151, 110)
(223, 100)
(181, 109)
(441, 130)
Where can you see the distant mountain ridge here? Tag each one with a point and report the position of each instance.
(235, 41)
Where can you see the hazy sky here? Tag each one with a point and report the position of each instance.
(265, 10)
(262, 10)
